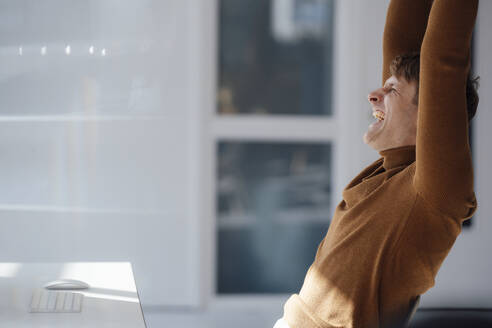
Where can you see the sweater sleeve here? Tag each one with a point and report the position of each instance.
(444, 173)
(406, 21)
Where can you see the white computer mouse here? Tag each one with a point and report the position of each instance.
(68, 284)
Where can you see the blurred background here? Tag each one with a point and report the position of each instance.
(207, 142)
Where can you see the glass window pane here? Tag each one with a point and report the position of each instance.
(273, 210)
(275, 57)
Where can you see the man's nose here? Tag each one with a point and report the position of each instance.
(374, 97)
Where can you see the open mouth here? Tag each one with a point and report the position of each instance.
(379, 115)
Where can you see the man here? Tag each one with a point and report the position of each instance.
(401, 215)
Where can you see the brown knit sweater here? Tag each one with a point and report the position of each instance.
(401, 215)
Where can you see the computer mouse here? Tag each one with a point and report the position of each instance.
(68, 284)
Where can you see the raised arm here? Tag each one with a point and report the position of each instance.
(444, 174)
(404, 31)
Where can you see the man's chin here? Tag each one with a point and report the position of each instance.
(370, 140)
(373, 132)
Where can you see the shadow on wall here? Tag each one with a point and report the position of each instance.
(452, 319)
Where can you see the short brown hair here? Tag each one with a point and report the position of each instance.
(408, 67)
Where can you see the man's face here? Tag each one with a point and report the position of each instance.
(395, 110)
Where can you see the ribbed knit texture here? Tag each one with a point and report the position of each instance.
(401, 215)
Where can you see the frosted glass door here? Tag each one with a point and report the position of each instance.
(97, 138)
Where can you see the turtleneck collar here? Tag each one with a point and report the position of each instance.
(398, 156)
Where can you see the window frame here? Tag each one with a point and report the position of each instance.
(342, 129)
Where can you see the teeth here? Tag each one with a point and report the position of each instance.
(379, 115)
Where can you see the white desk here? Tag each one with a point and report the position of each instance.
(111, 301)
